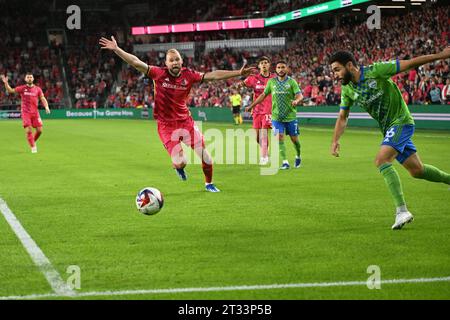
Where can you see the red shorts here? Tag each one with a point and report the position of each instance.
(31, 120)
(173, 132)
(262, 121)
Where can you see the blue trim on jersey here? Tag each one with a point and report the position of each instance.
(344, 107)
(287, 78)
(398, 65)
(361, 76)
(297, 93)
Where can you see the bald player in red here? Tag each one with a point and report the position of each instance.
(172, 85)
(30, 96)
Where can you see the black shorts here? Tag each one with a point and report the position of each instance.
(236, 110)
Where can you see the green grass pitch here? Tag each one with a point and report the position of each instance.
(325, 222)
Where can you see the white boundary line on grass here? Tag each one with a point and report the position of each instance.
(59, 287)
(231, 288)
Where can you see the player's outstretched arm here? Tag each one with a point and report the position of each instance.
(406, 65)
(7, 86)
(132, 60)
(260, 99)
(226, 74)
(341, 123)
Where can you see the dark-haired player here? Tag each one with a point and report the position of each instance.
(30, 95)
(371, 88)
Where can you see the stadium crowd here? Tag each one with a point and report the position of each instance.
(21, 51)
(98, 79)
(416, 33)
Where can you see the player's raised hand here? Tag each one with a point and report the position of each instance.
(335, 146)
(4, 79)
(108, 44)
(246, 71)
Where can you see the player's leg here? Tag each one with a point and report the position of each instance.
(419, 170)
(266, 126)
(37, 133)
(394, 146)
(27, 125)
(293, 134)
(279, 132)
(170, 138)
(264, 145)
(196, 141)
(260, 138)
(36, 122)
(383, 161)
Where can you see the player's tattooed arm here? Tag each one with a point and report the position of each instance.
(413, 63)
(7, 86)
(132, 60)
(341, 123)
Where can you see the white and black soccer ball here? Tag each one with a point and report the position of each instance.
(149, 201)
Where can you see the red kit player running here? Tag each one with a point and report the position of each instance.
(172, 85)
(262, 121)
(30, 94)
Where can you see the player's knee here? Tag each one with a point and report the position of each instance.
(380, 161)
(416, 172)
(181, 164)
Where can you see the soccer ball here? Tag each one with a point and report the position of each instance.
(149, 201)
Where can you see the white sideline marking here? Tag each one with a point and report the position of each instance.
(231, 288)
(40, 260)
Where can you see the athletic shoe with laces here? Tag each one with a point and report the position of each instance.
(211, 187)
(401, 219)
(285, 166)
(181, 173)
(298, 162)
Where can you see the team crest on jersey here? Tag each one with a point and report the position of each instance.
(184, 82)
(372, 84)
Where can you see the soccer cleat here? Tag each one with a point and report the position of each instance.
(211, 187)
(401, 219)
(298, 162)
(34, 149)
(285, 166)
(181, 173)
(263, 161)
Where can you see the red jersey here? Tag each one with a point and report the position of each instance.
(258, 83)
(30, 98)
(171, 92)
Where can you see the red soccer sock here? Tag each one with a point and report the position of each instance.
(30, 139)
(37, 135)
(208, 171)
